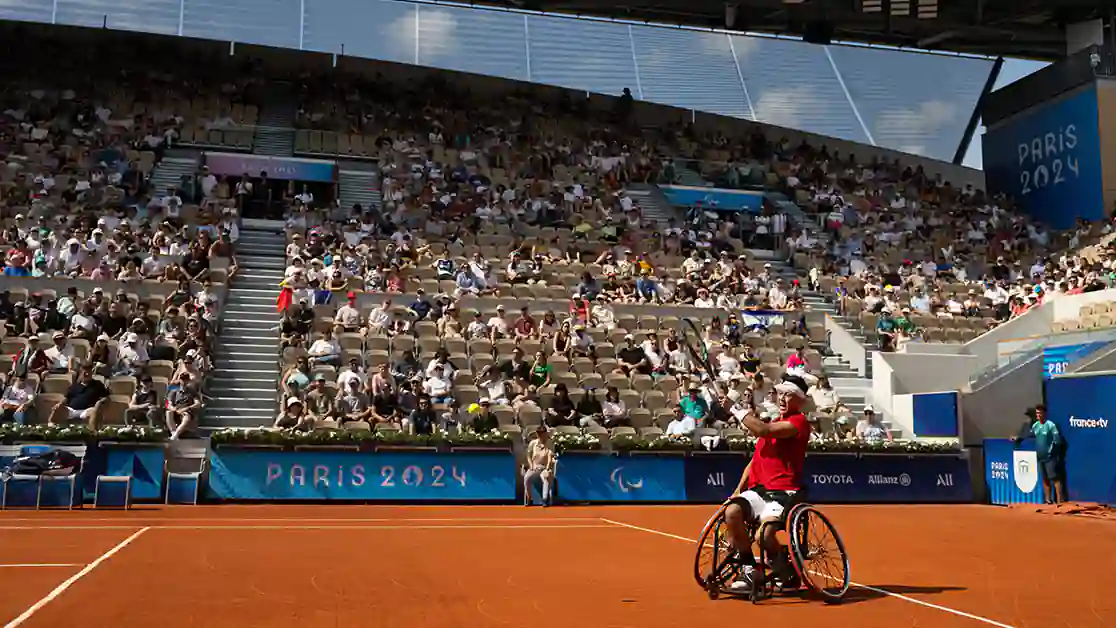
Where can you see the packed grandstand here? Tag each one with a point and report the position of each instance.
(515, 264)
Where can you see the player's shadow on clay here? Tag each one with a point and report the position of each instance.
(860, 594)
(855, 595)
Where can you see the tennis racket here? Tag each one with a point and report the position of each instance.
(690, 335)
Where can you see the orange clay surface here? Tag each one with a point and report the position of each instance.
(479, 566)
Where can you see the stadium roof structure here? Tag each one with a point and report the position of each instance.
(910, 102)
(1011, 28)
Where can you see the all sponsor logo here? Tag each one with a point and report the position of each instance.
(1088, 424)
(945, 479)
(1025, 466)
(715, 479)
(832, 478)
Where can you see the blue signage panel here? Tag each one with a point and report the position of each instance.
(282, 168)
(935, 414)
(246, 474)
(1055, 360)
(1048, 159)
(143, 463)
(848, 478)
(713, 199)
(1012, 473)
(604, 478)
(1084, 408)
(712, 477)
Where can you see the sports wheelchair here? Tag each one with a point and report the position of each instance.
(815, 550)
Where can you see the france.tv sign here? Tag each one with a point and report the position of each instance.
(1048, 159)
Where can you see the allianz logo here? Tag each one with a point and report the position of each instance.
(1086, 423)
(901, 480)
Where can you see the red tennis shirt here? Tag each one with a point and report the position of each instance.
(777, 462)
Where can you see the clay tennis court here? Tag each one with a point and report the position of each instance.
(214, 566)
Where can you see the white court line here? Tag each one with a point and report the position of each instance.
(39, 565)
(599, 526)
(185, 520)
(60, 589)
(912, 600)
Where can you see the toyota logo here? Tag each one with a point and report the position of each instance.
(904, 479)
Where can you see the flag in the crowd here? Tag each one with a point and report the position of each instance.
(760, 319)
(284, 300)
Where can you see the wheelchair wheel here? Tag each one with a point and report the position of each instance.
(818, 553)
(714, 560)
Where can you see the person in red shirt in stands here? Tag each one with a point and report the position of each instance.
(770, 482)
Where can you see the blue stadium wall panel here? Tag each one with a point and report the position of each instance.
(1084, 409)
(1049, 159)
(920, 105)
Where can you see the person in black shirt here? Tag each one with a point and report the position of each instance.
(517, 370)
(18, 324)
(196, 264)
(385, 407)
(632, 359)
(422, 419)
(749, 362)
(114, 322)
(83, 401)
(589, 408)
(485, 420)
(183, 404)
(561, 408)
(144, 407)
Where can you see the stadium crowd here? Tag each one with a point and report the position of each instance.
(111, 288)
(490, 212)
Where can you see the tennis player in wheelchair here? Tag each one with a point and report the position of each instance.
(770, 486)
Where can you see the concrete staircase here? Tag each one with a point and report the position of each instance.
(275, 134)
(169, 172)
(655, 205)
(855, 391)
(246, 364)
(358, 186)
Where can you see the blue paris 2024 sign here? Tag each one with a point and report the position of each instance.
(1055, 360)
(361, 476)
(1048, 159)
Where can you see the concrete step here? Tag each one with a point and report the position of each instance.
(247, 394)
(258, 274)
(255, 287)
(256, 334)
(261, 250)
(218, 422)
(253, 378)
(248, 306)
(244, 348)
(264, 235)
(250, 297)
(240, 361)
(238, 403)
(269, 258)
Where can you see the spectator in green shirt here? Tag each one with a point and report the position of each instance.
(1049, 449)
(903, 322)
(694, 406)
(886, 329)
